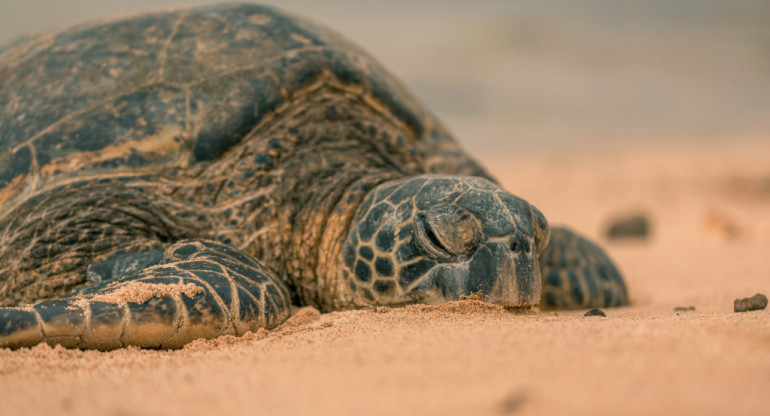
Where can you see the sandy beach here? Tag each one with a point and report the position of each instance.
(709, 208)
(593, 112)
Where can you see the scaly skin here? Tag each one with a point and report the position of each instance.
(228, 160)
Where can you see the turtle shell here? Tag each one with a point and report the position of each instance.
(171, 89)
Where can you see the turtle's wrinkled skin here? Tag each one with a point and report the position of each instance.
(193, 173)
(432, 238)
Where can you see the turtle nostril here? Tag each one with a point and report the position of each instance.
(518, 245)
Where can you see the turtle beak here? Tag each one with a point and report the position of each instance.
(505, 277)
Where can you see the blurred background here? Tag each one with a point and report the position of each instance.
(553, 76)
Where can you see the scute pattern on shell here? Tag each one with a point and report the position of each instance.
(170, 89)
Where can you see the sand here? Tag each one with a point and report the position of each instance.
(709, 208)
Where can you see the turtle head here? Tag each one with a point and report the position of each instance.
(433, 239)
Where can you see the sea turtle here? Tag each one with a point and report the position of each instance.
(193, 173)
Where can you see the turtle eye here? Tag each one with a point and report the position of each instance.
(447, 232)
(429, 240)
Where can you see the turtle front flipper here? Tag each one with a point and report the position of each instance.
(578, 274)
(198, 289)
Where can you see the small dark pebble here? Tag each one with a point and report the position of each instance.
(513, 401)
(595, 312)
(754, 303)
(684, 308)
(636, 226)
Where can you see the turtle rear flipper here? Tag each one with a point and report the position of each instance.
(200, 289)
(578, 274)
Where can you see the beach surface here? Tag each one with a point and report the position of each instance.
(709, 210)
